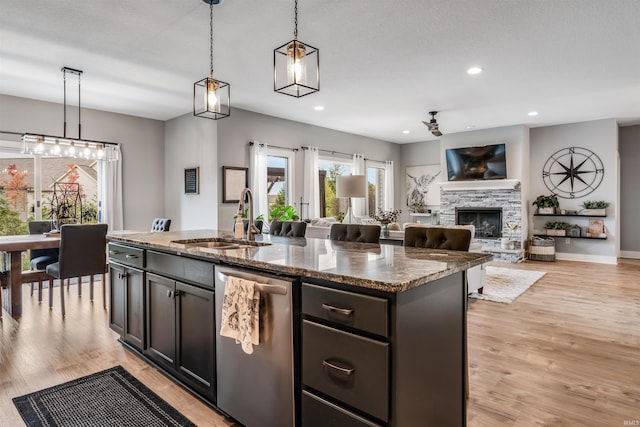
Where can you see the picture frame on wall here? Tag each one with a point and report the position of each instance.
(192, 180)
(422, 185)
(234, 180)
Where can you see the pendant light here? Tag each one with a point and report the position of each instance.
(296, 66)
(211, 96)
(63, 146)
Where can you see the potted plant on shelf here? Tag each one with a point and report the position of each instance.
(557, 228)
(594, 207)
(546, 204)
(507, 241)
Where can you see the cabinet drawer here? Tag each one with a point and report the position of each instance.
(126, 255)
(191, 270)
(358, 311)
(317, 412)
(348, 367)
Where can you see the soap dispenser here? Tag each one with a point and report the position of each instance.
(238, 229)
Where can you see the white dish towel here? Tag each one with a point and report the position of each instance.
(240, 313)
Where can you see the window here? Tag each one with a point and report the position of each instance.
(375, 180)
(329, 169)
(33, 188)
(279, 177)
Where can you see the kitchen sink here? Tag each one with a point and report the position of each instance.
(217, 243)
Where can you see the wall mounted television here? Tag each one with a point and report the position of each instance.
(475, 163)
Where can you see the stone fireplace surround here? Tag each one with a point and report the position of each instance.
(483, 195)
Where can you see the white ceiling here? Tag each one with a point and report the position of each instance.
(383, 63)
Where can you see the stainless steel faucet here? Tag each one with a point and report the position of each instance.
(252, 229)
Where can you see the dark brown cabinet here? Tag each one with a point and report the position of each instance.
(126, 314)
(161, 320)
(180, 327)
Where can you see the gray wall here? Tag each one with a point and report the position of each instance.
(630, 191)
(141, 142)
(235, 132)
(601, 137)
(191, 142)
(416, 154)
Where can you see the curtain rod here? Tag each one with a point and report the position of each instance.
(272, 146)
(343, 154)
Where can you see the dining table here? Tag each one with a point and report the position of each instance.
(12, 276)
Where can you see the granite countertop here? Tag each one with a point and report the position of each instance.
(383, 267)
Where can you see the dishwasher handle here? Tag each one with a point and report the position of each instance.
(261, 287)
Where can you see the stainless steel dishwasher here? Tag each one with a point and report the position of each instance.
(257, 389)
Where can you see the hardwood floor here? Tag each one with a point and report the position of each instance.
(566, 352)
(41, 350)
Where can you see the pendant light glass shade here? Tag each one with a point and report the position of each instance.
(211, 97)
(296, 66)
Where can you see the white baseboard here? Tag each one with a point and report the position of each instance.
(601, 259)
(630, 254)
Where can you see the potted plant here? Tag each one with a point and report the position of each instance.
(507, 241)
(284, 213)
(557, 228)
(258, 221)
(594, 207)
(546, 204)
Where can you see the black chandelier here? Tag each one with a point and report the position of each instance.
(64, 146)
(296, 66)
(211, 97)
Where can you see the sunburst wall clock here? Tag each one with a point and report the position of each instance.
(573, 172)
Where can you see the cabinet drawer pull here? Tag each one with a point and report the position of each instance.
(131, 256)
(345, 311)
(346, 371)
(114, 253)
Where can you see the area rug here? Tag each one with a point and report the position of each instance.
(109, 398)
(506, 284)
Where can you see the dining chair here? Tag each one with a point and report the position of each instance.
(39, 259)
(288, 228)
(82, 253)
(160, 224)
(364, 233)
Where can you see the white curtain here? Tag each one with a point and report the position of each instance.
(389, 193)
(110, 193)
(359, 204)
(311, 190)
(258, 168)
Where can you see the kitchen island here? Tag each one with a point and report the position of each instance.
(377, 332)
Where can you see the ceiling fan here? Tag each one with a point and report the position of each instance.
(433, 124)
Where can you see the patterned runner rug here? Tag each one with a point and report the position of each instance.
(109, 398)
(506, 284)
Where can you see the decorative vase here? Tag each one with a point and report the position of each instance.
(385, 229)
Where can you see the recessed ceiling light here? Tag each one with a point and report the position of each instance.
(475, 70)
(318, 108)
(532, 113)
(406, 131)
(471, 127)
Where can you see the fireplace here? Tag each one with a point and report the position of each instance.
(487, 221)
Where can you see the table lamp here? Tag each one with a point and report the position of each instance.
(351, 186)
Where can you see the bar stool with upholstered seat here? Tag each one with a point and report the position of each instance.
(364, 233)
(288, 228)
